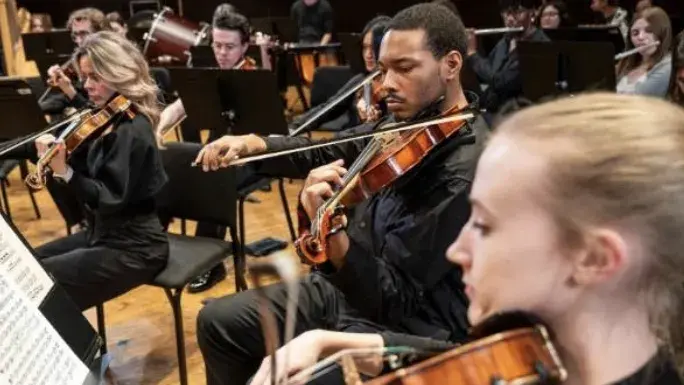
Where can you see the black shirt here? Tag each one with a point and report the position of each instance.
(500, 72)
(56, 101)
(121, 172)
(396, 272)
(312, 21)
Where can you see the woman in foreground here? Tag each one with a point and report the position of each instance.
(588, 238)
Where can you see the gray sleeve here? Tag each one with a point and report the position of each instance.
(657, 80)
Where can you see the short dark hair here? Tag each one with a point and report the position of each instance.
(233, 22)
(512, 4)
(444, 31)
(449, 4)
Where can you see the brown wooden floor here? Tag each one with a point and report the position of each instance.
(139, 324)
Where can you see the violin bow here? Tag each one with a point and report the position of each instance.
(288, 271)
(367, 80)
(386, 129)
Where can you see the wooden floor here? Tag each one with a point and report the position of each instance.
(140, 324)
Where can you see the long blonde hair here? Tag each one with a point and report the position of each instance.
(119, 63)
(618, 159)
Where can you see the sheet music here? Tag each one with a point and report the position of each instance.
(18, 264)
(31, 350)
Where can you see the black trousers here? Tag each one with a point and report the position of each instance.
(95, 272)
(231, 339)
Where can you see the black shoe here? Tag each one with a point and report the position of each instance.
(207, 280)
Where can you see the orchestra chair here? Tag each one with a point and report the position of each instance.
(6, 167)
(192, 194)
(327, 81)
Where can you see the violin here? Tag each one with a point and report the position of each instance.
(516, 355)
(90, 126)
(380, 164)
(247, 64)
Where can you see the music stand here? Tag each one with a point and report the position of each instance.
(48, 48)
(243, 101)
(558, 68)
(253, 102)
(610, 34)
(19, 108)
(198, 88)
(352, 45)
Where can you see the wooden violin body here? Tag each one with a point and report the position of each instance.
(383, 162)
(91, 125)
(520, 356)
(512, 347)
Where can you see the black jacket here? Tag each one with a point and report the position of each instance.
(500, 72)
(56, 101)
(396, 272)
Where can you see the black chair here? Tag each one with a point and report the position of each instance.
(6, 167)
(192, 194)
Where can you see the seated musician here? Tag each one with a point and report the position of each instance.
(676, 88)
(499, 73)
(603, 269)
(554, 14)
(81, 23)
(386, 272)
(314, 19)
(354, 110)
(230, 41)
(117, 176)
(612, 14)
(647, 72)
(641, 6)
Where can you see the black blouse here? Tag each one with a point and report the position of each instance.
(120, 172)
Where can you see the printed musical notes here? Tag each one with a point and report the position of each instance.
(31, 350)
(18, 264)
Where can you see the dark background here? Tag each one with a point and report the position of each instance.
(350, 15)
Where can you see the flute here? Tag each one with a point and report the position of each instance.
(636, 50)
(494, 31)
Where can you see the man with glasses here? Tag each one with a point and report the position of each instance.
(81, 23)
(230, 41)
(499, 73)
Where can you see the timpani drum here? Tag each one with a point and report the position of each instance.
(171, 37)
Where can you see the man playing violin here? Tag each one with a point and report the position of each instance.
(81, 23)
(386, 270)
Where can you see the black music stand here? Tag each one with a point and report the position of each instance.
(48, 48)
(609, 34)
(560, 68)
(198, 88)
(352, 45)
(253, 102)
(19, 108)
(241, 101)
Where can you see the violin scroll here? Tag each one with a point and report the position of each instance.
(312, 246)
